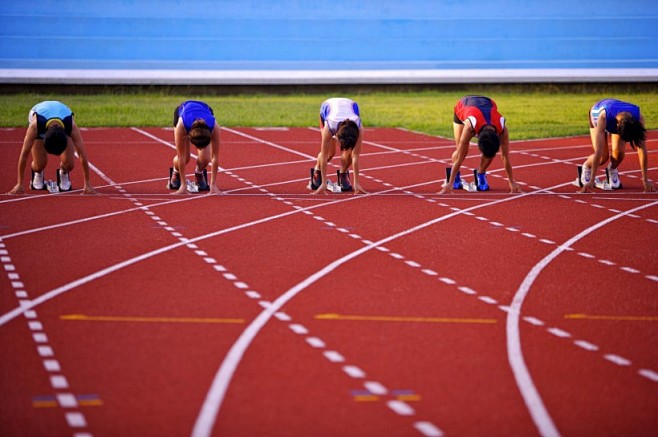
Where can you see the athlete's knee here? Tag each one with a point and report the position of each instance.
(67, 166)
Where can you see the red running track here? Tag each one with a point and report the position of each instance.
(270, 311)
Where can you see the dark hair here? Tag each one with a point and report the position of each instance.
(631, 130)
(55, 139)
(199, 133)
(488, 142)
(347, 134)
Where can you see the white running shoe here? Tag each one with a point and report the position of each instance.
(37, 181)
(613, 178)
(586, 175)
(64, 180)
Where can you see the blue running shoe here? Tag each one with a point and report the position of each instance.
(483, 185)
(457, 184)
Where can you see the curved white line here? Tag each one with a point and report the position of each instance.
(529, 392)
(213, 402)
(4, 318)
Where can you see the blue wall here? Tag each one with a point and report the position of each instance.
(295, 34)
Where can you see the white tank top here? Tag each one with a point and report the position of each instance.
(338, 109)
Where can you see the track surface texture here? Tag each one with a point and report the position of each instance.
(267, 310)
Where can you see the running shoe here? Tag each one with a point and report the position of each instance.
(202, 180)
(316, 179)
(344, 181)
(37, 180)
(63, 180)
(586, 175)
(174, 181)
(613, 177)
(458, 184)
(483, 185)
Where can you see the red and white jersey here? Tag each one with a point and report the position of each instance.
(480, 111)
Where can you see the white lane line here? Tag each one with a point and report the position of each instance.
(428, 429)
(649, 374)
(298, 329)
(586, 345)
(376, 388)
(215, 396)
(616, 359)
(400, 407)
(334, 357)
(354, 371)
(531, 397)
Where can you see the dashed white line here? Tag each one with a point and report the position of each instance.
(428, 429)
(334, 356)
(616, 359)
(354, 371)
(315, 342)
(649, 374)
(586, 345)
(559, 332)
(298, 329)
(375, 388)
(400, 407)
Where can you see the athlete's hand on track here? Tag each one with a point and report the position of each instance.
(181, 190)
(88, 189)
(514, 188)
(588, 187)
(447, 189)
(18, 189)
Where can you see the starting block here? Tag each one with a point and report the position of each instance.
(601, 185)
(467, 186)
(192, 187)
(51, 186)
(32, 179)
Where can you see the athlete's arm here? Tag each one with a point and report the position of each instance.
(78, 144)
(182, 153)
(323, 157)
(214, 158)
(30, 136)
(504, 153)
(462, 138)
(356, 152)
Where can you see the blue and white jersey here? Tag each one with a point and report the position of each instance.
(48, 111)
(338, 109)
(612, 108)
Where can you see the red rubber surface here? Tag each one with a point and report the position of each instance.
(382, 314)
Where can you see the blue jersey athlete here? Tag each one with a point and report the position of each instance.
(52, 130)
(194, 122)
(623, 123)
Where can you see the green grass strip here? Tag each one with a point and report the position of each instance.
(531, 111)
